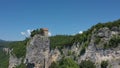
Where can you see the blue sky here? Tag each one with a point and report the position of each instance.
(59, 16)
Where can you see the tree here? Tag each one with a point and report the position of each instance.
(87, 64)
(114, 42)
(34, 32)
(104, 64)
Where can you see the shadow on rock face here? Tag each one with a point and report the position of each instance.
(30, 65)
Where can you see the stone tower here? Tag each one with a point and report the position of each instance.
(44, 31)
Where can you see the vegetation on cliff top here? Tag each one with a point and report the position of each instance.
(37, 31)
(59, 41)
(19, 48)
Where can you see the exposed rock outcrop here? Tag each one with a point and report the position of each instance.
(37, 53)
(55, 55)
(6, 50)
(96, 52)
(13, 60)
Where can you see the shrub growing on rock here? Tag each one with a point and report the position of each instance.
(87, 64)
(65, 63)
(104, 64)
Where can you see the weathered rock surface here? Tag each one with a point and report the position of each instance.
(99, 54)
(37, 53)
(55, 55)
(6, 50)
(103, 32)
(13, 60)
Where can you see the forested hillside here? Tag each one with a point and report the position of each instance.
(102, 37)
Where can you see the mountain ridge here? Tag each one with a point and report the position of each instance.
(97, 46)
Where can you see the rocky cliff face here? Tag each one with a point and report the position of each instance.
(96, 51)
(37, 53)
(14, 61)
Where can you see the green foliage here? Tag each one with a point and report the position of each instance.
(104, 64)
(83, 49)
(19, 48)
(4, 43)
(68, 63)
(82, 52)
(87, 64)
(69, 53)
(65, 63)
(114, 42)
(4, 60)
(54, 65)
(106, 46)
(81, 37)
(108, 24)
(99, 25)
(37, 31)
(21, 66)
(59, 41)
(97, 40)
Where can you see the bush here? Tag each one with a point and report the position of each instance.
(65, 63)
(82, 52)
(83, 49)
(54, 65)
(87, 64)
(114, 42)
(69, 53)
(97, 40)
(37, 31)
(104, 64)
(68, 63)
(106, 46)
(81, 37)
(108, 24)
